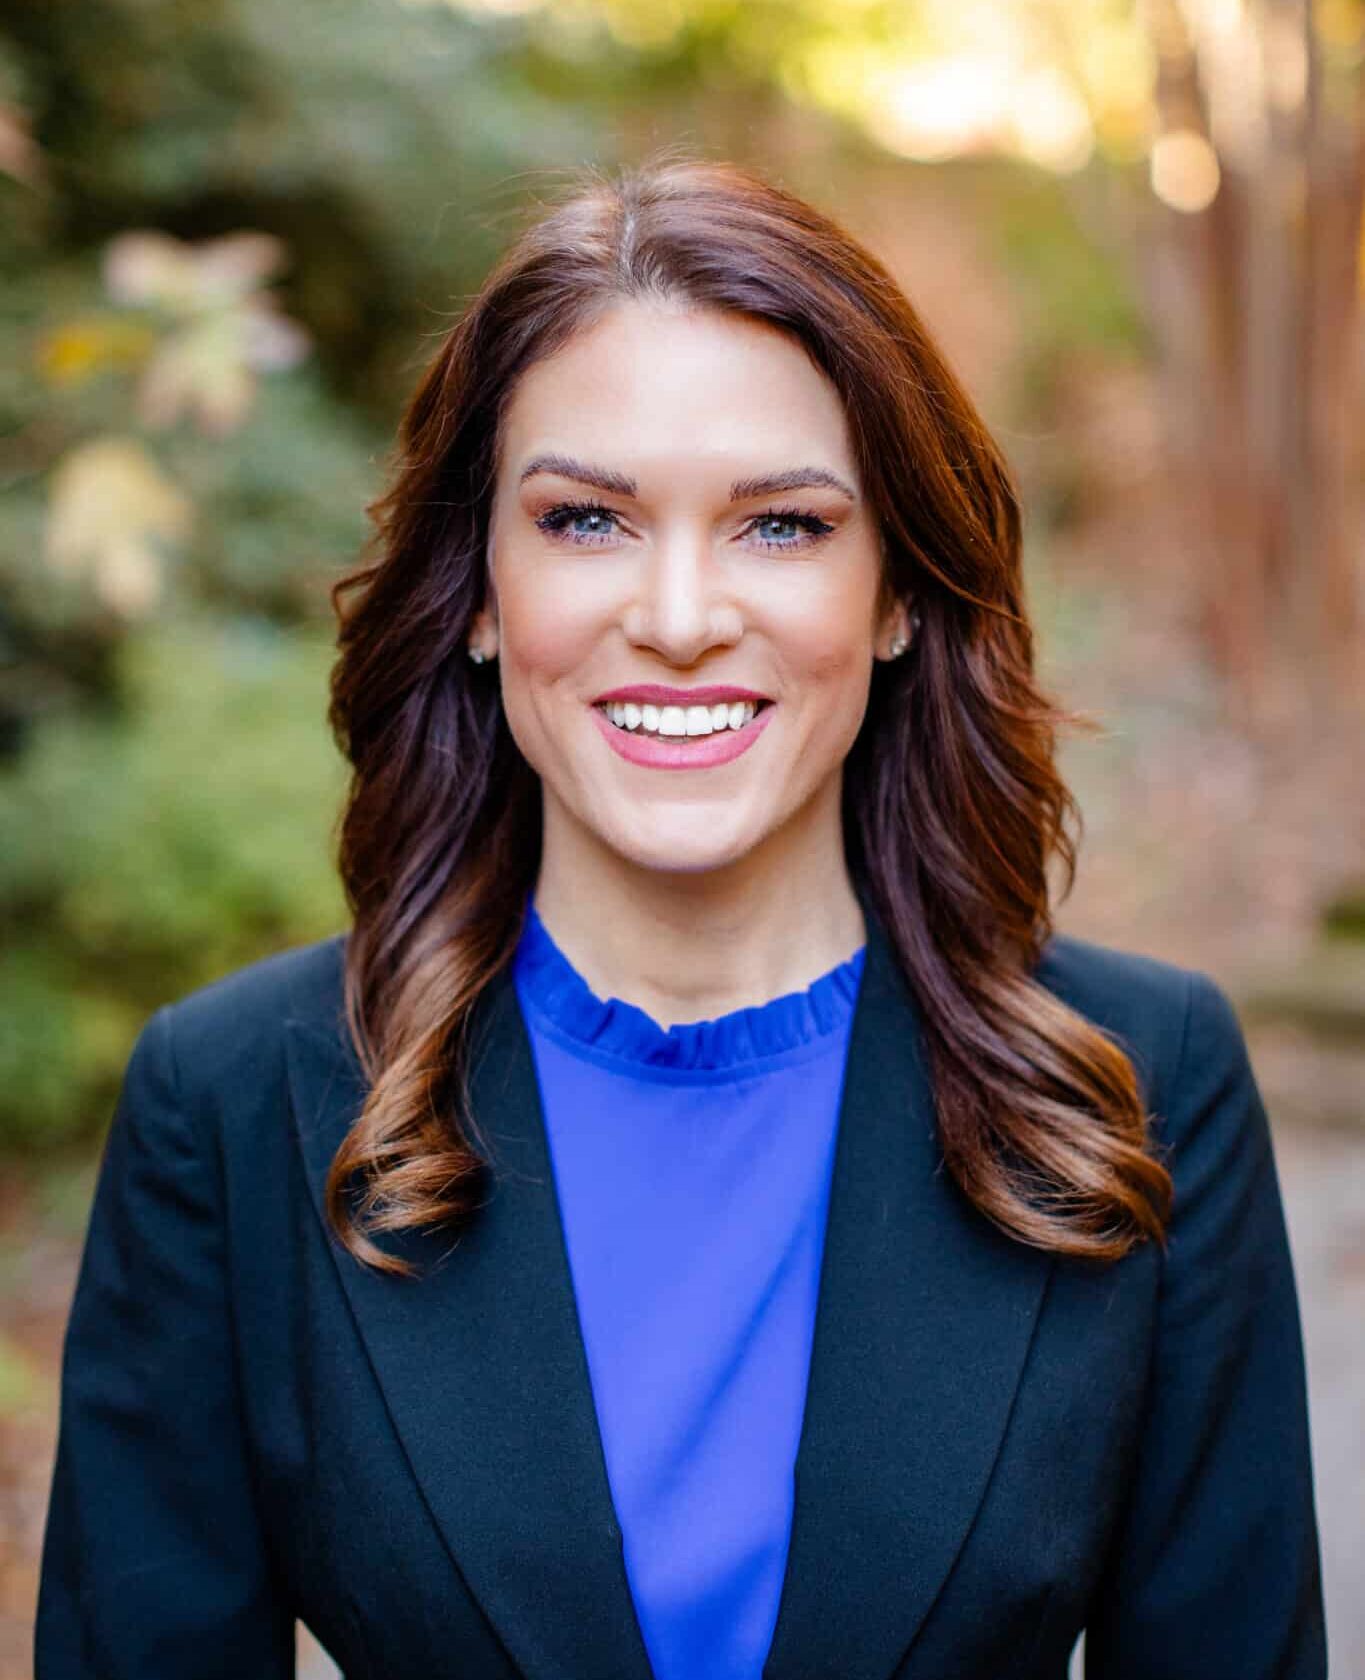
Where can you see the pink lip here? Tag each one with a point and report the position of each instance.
(655, 694)
(698, 754)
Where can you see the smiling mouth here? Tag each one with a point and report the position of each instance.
(681, 723)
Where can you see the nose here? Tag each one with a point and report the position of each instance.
(683, 603)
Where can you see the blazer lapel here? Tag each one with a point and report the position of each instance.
(482, 1365)
(925, 1316)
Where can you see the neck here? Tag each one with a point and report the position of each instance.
(691, 945)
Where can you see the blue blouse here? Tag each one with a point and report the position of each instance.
(692, 1168)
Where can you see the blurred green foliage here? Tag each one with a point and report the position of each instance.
(167, 785)
(147, 852)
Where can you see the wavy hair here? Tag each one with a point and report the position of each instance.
(953, 807)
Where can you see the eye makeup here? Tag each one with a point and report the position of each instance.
(557, 523)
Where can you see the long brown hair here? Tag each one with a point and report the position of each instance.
(953, 806)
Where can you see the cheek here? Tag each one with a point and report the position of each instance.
(828, 645)
(547, 623)
(550, 629)
(827, 665)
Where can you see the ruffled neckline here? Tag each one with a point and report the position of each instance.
(785, 1027)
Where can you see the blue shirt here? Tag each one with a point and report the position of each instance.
(692, 1168)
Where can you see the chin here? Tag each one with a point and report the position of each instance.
(682, 854)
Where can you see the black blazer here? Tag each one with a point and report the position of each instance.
(1000, 1447)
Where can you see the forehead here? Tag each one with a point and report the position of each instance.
(652, 382)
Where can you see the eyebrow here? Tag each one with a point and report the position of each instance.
(619, 484)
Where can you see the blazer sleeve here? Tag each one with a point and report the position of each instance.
(154, 1561)
(1215, 1571)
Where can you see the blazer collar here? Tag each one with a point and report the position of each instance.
(925, 1316)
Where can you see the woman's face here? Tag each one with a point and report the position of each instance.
(678, 524)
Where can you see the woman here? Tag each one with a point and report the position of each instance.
(453, 1286)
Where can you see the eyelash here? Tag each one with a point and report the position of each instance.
(554, 522)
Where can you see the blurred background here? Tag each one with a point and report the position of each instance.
(232, 233)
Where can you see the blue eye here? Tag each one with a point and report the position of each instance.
(577, 522)
(801, 528)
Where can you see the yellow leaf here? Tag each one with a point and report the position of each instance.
(80, 349)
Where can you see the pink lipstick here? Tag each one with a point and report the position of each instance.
(659, 694)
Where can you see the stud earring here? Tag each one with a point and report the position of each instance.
(900, 643)
(477, 655)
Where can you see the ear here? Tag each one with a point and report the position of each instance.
(894, 630)
(482, 636)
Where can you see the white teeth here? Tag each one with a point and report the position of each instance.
(680, 721)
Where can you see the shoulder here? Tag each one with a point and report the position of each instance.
(304, 979)
(1171, 1019)
(1103, 980)
(207, 1082)
(229, 1033)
